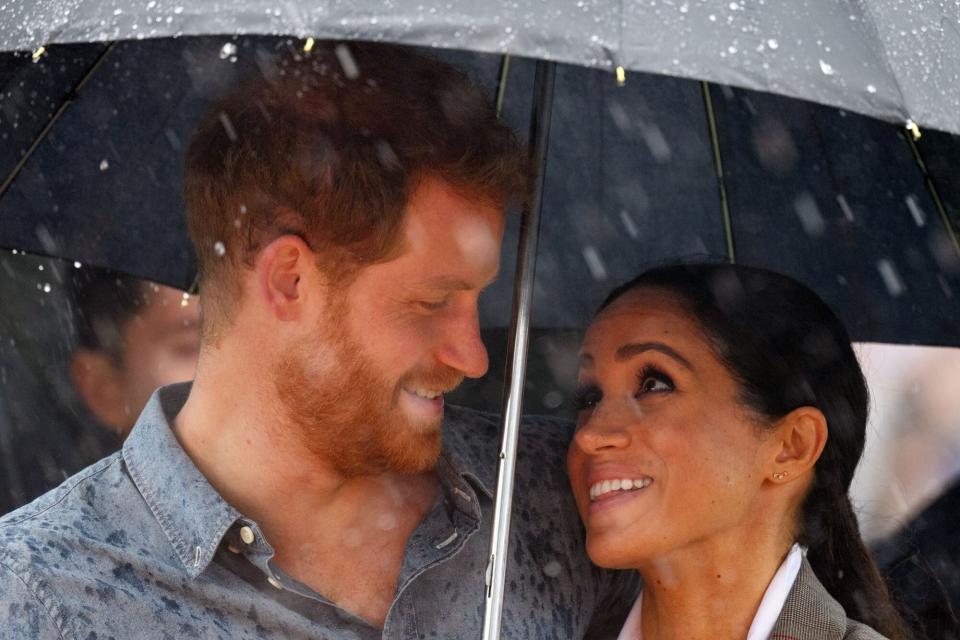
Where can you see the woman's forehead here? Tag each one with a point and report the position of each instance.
(647, 313)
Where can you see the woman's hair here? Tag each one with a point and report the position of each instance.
(786, 349)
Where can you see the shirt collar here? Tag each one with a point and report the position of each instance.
(470, 441)
(191, 513)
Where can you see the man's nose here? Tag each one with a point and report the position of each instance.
(462, 348)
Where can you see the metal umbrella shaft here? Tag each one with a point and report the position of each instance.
(517, 354)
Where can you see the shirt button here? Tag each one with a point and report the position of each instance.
(246, 534)
(273, 581)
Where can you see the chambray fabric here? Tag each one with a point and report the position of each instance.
(140, 545)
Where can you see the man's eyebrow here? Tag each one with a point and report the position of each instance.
(454, 284)
(634, 349)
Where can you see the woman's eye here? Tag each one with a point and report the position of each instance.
(586, 398)
(654, 381)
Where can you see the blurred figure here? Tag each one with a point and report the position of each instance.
(133, 336)
(921, 560)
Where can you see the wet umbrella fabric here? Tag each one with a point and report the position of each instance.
(631, 180)
(897, 60)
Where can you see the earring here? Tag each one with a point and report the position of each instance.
(779, 475)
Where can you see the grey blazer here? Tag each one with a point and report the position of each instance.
(811, 613)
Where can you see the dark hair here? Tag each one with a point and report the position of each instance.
(787, 349)
(329, 145)
(103, 302)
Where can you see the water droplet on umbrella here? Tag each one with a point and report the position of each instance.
(219, 248)
(871, 88)
(826, 68)
(773, 44)
(104, 165)
(177, 10)
(228, 50)
(685, 7)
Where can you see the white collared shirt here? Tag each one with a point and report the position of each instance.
(767, 613)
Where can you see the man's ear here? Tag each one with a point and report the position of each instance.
(99, 382)
(284, 268)
(800, 437)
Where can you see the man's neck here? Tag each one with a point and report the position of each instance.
(310, 514)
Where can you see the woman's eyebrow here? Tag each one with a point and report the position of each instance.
(634, 349)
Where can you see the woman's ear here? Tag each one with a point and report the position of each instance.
(800, 437)
(280, 270)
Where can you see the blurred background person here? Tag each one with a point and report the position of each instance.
(82, 349)
(133, 336)
(921, 558)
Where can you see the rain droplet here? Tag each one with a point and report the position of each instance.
(712, 18)
(46, 287)
(845, 207)
(178, 10)
(76, 264)
(826, 68)
(594, 263)
(229, 49)
(891, 278)
(552, 399)
(918, 216)
(117, 12)
(39, 267)
(219, 248)
(773, 44)
(871, 88)
(104, 165)
(347, 63)
(809, 214)
(629, 224)
(151, 4)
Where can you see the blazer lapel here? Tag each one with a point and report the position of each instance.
(810, 612)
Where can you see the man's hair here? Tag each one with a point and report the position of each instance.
(329, 146)
(103, 302)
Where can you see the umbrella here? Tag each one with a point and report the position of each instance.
(730, 202)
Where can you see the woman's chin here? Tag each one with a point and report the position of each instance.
(612, 551)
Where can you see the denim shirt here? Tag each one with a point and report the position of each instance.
(140, 545)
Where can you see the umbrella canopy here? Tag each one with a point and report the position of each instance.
(838, 200)
(891, 59)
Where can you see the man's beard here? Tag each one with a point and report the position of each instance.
(349, 415)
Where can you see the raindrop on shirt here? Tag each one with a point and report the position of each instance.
(552, 569)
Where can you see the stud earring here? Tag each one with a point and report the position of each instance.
(779, 475)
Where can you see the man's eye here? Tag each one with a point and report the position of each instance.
(432, 305)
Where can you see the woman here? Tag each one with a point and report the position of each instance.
(721, 416)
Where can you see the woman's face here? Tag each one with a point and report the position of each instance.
(665, 457)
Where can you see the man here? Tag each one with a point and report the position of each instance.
(346, 210)
(132, 337)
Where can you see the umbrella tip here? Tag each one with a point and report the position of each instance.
(914, 130)
(38, 53)
(621, 76)
(308, 45)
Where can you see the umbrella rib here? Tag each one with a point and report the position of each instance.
(932, 188)
(502, 82)
(718, 167)
(56, 116)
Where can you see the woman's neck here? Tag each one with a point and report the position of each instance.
(699, 593)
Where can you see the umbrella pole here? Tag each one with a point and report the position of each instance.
(517, 354)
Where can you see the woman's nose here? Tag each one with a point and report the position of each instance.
(602, 431)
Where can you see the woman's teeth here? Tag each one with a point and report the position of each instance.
(608, 486)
